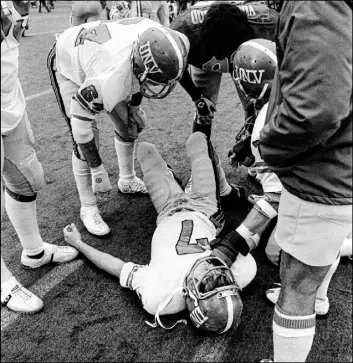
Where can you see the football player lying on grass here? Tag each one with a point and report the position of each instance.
(258, 56)
(184, 271)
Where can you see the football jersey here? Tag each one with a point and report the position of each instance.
(268, 179)
(189, 22)
(178, 241)
(97, 56)
(13, 14)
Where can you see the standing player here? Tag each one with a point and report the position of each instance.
(110, 66)
(155, 10)
(20, 168)
(85, 12)
(307, 142)
(182, 274)
(215, 30)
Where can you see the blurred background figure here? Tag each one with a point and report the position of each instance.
(45, 4)
(154, 10)
(86, 11)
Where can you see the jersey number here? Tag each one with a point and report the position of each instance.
(184, 247)
(98, 34)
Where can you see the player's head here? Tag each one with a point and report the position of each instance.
(254, 65)
(224, 28)
(159, 60)
(212, 296)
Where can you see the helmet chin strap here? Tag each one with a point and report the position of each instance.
(157, 321)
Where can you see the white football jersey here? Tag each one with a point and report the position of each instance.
(13, 104)
(97, 57)
(269, 180)
(179, 240)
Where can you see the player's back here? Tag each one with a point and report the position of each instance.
(98, 47)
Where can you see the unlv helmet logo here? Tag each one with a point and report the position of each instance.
(148, 59)
(249, 75)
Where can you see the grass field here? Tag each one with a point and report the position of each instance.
(88, 317)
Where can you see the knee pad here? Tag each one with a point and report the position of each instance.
(26, 178)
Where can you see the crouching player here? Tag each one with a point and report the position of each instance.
(194, 278)
(254, 64)
(111, 66)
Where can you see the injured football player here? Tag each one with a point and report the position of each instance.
(184, 272)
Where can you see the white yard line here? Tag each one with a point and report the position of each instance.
(41, 288)
(40, 94)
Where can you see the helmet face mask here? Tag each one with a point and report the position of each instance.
(159, 59)
(212, 296)
(254, 65)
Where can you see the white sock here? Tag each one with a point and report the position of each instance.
(322, 291)
(292, 336)
(346, 249)
(126, 154)
(5, 272)
(82, 174)
(23, 217)
(224, 187)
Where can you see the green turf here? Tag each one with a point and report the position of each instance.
(88, 317)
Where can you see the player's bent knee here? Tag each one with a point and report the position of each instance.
(196, 143)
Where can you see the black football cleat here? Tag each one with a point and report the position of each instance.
(234, 198)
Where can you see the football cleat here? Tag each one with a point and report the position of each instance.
(321, 305)
(231, 200)
(93, 222)
(135, 186)
(52, 254)
(18, 298)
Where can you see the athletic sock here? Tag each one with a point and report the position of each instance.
(292, 336)
(82, 174)
(224, 187)
(126, 153)
(322, 291)
(23, 217)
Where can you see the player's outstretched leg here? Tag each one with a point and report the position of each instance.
(202, 172)
(159, 181)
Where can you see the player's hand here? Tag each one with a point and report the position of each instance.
(205, 109)
(100, 180)
(240, 153)
(138, 116)
(72, 235)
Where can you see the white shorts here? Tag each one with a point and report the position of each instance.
(313, 233)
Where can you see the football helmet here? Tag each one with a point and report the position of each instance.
(212, 296)
(275, 4)
(159, 59)
(254, 65)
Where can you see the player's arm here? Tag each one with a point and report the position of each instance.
(102, 260)
(309, 107)
(163, 13)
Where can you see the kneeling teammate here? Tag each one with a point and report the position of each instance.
(193, 279)
(258, 57)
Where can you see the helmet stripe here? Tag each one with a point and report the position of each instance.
(177, 51)
(264, 49)
(230, 309)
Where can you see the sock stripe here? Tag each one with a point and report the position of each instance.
(287, 325)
